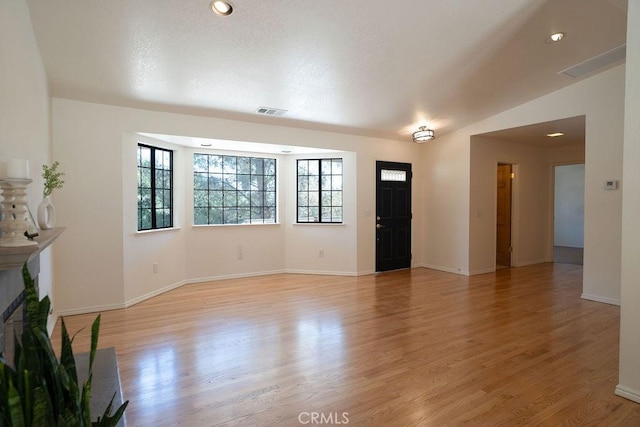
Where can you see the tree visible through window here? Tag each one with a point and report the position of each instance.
(155, 183)
(320, 190)
(233, 189)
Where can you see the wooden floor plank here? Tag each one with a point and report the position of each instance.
(413, 347)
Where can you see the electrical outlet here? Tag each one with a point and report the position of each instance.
(155, 267)
(321, 253)
(239, 252)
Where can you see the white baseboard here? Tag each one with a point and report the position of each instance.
(323, 273)
(597, 298)
(459, 271)
(232, 276)
(93, 309)
(139, 299)
(445, 269)
(481, 271)
(628, 393)
(365, 273)
(152, 294)
(525, 263)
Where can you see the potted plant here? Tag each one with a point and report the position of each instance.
(39, 389)
(52, 181)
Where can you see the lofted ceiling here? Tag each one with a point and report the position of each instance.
(366, 67)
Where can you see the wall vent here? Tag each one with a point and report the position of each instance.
(269, 111)
(602, 60)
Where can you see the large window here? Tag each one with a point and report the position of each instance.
(233, 190)
(320, 190)
(155, 184)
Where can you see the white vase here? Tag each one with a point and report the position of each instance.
(46, 214)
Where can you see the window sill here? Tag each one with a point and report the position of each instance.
(323, 224)
(157, 230)
(234, 225)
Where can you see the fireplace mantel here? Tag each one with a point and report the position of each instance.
(13, 258)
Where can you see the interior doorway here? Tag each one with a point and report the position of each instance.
(568, 214)
(393, 215)
(503, 216)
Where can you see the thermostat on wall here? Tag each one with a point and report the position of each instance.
(611, 185)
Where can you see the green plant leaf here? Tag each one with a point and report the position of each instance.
(68, 419)
(52, 178)
(51, 376)
(15, 407)
(95, 330)
(41, 407)
(43, 312)
(107, 420)
(66, 354)
(27, 398)
(25, 361)
(86, 400)
(40, 390)
(6, 377)
(17, 351)
(31, 298)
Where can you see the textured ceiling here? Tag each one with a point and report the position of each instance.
(369, 67)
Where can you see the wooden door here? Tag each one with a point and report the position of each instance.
(393, 215)
(503, 217)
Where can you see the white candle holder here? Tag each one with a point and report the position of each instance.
(14, 213)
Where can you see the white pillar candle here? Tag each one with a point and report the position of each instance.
(17, 169)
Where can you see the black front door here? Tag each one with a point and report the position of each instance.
(393, 215)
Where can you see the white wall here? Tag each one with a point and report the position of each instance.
(106, 264)
(568, 226)
(370, 150)
(532, 196)
(629, 385)
(167, 248)
(446, 162)
(529, 202)
(572, 154)
(186, 253)
(340, 241)
(447, 189)
(212, 250)
(25, 127)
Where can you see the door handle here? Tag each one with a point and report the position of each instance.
(379, 226)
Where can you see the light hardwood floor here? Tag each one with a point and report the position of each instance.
(414, 347)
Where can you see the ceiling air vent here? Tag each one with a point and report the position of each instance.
(270, 111)
(590, 65)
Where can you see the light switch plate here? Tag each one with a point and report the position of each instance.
(611, 185)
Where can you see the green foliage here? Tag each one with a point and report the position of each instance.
(52, 178)
(40, 390)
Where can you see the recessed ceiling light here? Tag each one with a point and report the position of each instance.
(286, 151)
(206, 144)
(555, 37)
(222, 8)
(555, 134)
